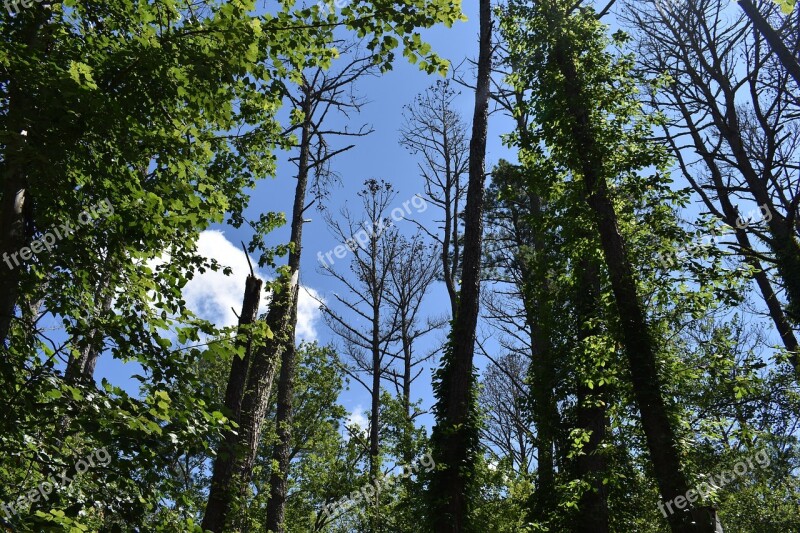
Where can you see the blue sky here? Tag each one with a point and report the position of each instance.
(378, 156)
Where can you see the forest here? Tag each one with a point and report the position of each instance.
(397, 266)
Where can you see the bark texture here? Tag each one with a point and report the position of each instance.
(458, 382)
(659, 432)
(221, 491)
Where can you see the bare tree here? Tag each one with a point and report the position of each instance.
(435, 131)
(319, 94)
(368, 337)
(773, 38)
(507, 428)
(411, 277)
(734, 127)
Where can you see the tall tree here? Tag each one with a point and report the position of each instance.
(319, 93)
(455, 435)
(565, 69)
(523, 255)
(221, 490)
(434, 130)
(374, 253)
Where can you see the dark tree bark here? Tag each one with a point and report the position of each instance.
(13, 236)
(592, 465)
(262, 372)
(281, 453)
(221, 490)
(16, 201)
(457, 434)
(660, 435)
(788, 60)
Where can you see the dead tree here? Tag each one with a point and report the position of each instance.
(773, 38)
(733, 126)
(433, 130)
(411, 276)
(320, 93)
(361, 318)
(507, 428)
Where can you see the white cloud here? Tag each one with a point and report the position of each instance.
(358, 418)
(214, 296)
(307, 314)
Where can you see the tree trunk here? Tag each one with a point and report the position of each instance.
(221, 492)
(16, 203)
(762, 280)
(592, 464)
(13, 236)
(457, 434)
(262, 373)
(284, 416)
(374, 418)
(782, 240)
(772, 37)
(546, 418)
(639, 345)
(281, 452)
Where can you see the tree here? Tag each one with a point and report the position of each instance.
(522, 262)
(508, 426)
(569, 88)
(412, 274)
(434, 130)
(772, 37)
(728, 100)
(374, 253)
(455, 435)
(319, 93)
(167, 111)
